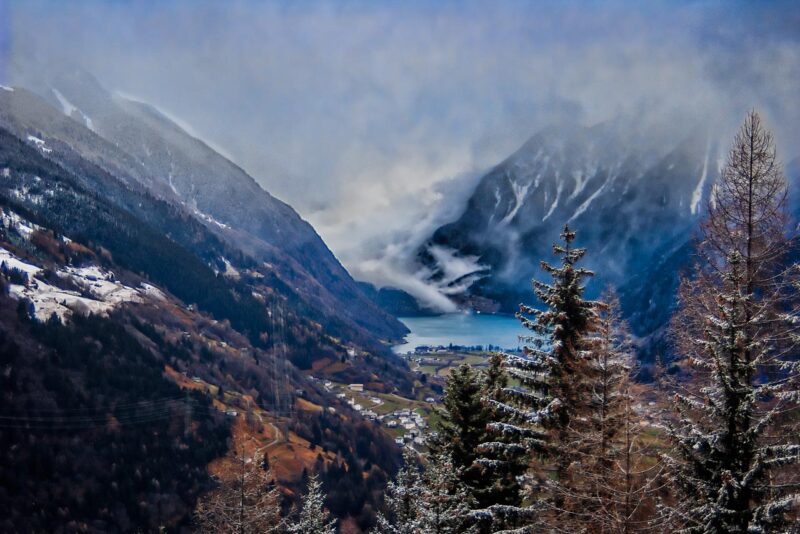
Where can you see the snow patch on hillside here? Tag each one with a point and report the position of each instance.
(172, 185)
(7, 88)
(152, 291)
(697, 195)
(588, 201)
(69, 108)
(581, 179)
(12, 262)
(554, 205)
(210, 219)
(100, 292)
(230, 270)
(66, 106)
(520, 192)
(11, 220)
(39, 143)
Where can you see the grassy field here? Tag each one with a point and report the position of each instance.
(440, 364)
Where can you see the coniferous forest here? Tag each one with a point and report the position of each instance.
(555, 434)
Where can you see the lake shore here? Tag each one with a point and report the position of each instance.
(461, 329)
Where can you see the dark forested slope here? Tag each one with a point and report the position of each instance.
(112, 299)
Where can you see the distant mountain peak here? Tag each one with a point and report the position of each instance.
(632, 196)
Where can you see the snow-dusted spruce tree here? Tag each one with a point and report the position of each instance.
(444, 502)
(402, 498)
(501, 478)
(536, 418)
(313, 517)
(245, 503)
(735, 453)
(462, 425)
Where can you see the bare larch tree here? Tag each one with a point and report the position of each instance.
(246, 502)
(735, 326)
(618, 478)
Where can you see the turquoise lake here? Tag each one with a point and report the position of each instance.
(467, 329)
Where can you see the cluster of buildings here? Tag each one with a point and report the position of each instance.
(410, 421)
(364, 411)
(356, 405)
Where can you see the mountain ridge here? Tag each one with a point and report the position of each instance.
(633, 207)
(241, 211)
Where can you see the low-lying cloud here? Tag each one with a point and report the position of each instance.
(374, 119)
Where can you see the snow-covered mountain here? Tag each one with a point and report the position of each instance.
(71, 114)
(633, 199)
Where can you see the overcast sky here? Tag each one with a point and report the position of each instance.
(366, 115)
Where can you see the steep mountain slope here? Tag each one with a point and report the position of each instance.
(137, 143)
(104, 316)
(247, 294)
(92, 437)
(634, 206)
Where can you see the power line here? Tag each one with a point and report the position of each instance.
(123, 406)
(150, 414)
